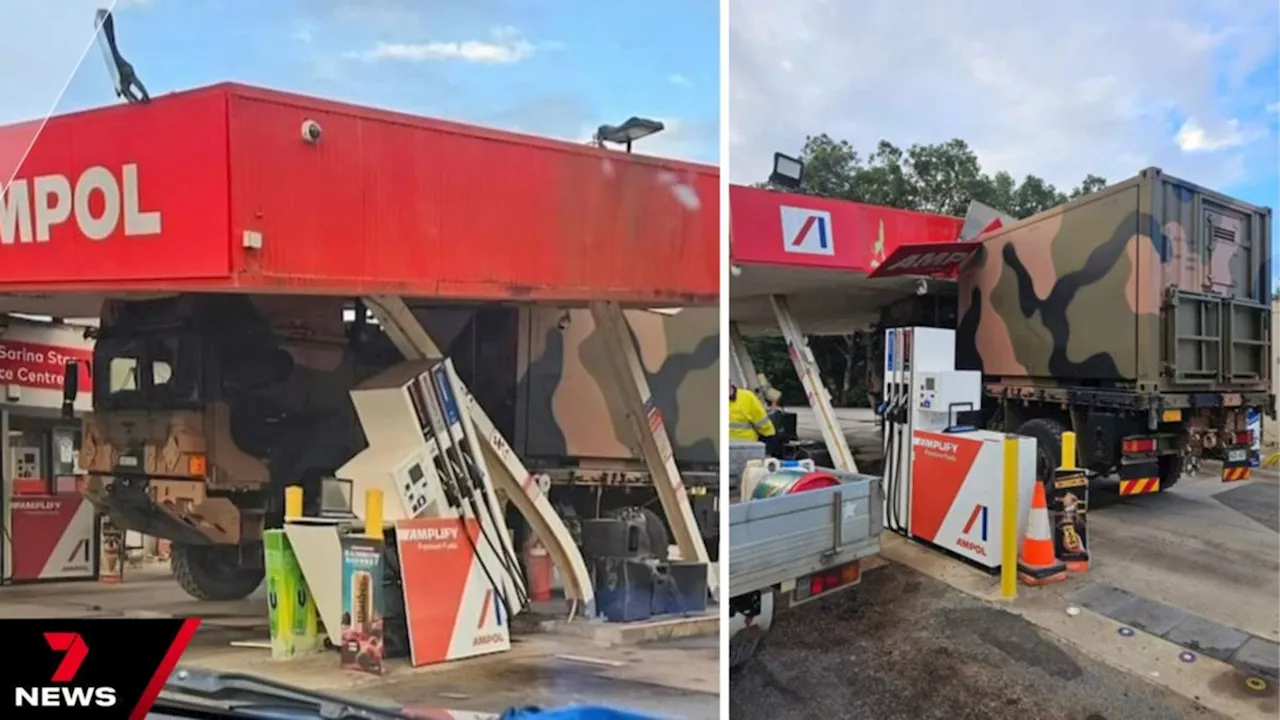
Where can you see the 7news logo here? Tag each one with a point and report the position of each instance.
(976, 525)
(806, 231)
(61, 693)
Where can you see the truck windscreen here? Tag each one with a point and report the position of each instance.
(146, 371)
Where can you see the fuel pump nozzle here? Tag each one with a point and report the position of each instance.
(900, 404)
(895, 420)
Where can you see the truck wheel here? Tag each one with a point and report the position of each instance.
(741, 652)
(1048, 435)
(1170, 471)
(746, 638)
(213, 572)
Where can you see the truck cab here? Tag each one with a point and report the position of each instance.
(204, 407)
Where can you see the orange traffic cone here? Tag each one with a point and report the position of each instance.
(1038, 565)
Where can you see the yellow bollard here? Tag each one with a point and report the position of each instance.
(1068, 450)
(1009, 522)
(373, 514)
(293, 502)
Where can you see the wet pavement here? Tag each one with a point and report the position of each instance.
(554, 682)
(677, 679)
(905, 646)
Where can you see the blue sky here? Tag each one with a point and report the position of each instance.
(1058, 91)
(547, 67)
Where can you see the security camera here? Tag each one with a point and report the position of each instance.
(922, 288)
(735, 270)
(563, 322)
(310, 132)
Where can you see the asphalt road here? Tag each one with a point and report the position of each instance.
(905, 646)
(1193, 545)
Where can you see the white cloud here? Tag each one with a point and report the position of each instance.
(1193, 138)
(1273, 107)
(505, 46)
(1058, 91)
(679, 80)
(302, 34)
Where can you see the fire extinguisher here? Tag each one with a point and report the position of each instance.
(539, 567)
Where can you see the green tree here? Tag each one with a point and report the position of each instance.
(841, 358)
(939, 178)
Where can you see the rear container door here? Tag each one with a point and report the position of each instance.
(1216, 310)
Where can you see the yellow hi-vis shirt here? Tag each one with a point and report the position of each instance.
(748, 420)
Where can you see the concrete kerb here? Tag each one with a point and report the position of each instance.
(603, 634)
(1210, 683)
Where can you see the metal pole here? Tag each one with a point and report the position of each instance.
(1009, 522)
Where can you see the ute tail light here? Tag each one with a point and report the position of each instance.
(1244, 438)
(824, 581)
(1139, 445)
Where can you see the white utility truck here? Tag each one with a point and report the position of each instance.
(796, 533)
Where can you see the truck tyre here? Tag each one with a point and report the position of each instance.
(213, 572)
(744, 640)
(1170, 471)
(741, 652)
(1048, 435)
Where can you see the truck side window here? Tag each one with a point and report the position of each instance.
(161, 372)
(123, 375)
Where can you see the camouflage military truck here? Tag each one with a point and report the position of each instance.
(1137, 316)
(540, 374)
(207, 405)
(561, 402)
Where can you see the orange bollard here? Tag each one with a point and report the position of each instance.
(540, 568)
(1038, 564)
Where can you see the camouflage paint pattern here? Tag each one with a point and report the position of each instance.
(1076, 294)
(566, 371)
(311, 331)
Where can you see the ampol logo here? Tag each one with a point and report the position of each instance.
(807, 232)
(62, 694)
(79, 557)
(927, 262)
(30, 209)
(975, 526)
(492, 602)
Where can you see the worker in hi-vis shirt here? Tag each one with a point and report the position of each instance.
(748, 419)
